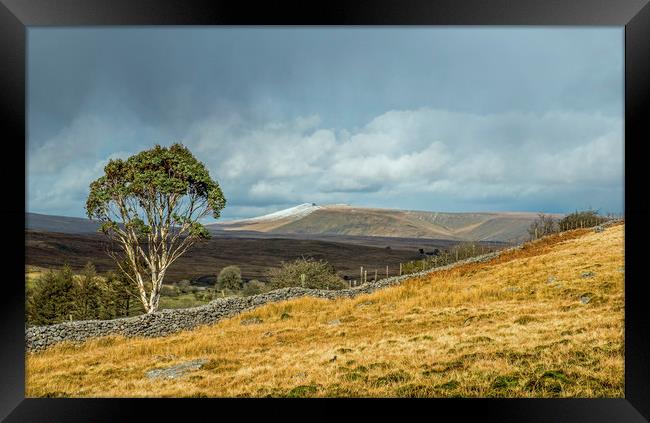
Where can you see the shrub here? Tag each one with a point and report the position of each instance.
(229, 278)
(254, 287)
(307, 273)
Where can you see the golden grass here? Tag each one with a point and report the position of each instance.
(512, 327)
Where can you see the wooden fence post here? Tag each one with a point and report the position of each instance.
(400, 269)
(375, 275)
(386, 271)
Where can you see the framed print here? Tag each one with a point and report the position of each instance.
(399, 208)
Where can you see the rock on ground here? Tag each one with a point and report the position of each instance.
(177, 370)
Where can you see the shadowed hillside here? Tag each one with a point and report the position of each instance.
(542, 321)
(253, 255)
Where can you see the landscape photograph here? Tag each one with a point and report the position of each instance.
(291, 212)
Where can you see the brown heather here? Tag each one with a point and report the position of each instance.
(527, 324)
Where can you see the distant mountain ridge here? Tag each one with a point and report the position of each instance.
(339, 219)
(62, 224)
(311, 220)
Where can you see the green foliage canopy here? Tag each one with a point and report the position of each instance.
(159, 178)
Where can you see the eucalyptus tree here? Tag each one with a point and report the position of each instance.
(150, 205)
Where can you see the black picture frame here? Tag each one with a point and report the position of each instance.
(634, 15)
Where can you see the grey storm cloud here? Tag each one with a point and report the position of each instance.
(429, 118)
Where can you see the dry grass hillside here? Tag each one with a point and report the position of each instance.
(543, 321)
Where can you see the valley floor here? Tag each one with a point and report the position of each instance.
(543, 321)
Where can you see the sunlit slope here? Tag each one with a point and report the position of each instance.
(361, 221)
(545, 321)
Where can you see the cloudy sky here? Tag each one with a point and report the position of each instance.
(442, 119)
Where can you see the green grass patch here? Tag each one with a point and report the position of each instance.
(302, 391)
(551, 382)
(452, 384)
(505, 382)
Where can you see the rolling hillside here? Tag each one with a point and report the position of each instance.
(310, 221)
(358, 221)
(546, 320)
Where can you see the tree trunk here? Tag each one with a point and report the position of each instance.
(154, 298)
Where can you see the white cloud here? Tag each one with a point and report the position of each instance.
(74, 142)
(424, 158)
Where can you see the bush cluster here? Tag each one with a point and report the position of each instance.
(545, 225)
(59, 295)
(581, 219)
(306, 273)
